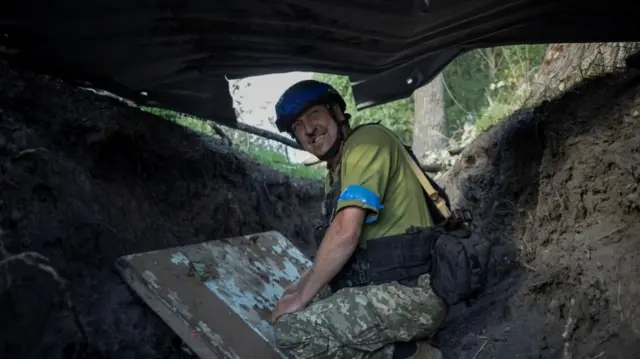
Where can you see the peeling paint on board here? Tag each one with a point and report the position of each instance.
(178, 258)
(251, 288)
(215, 339)
(151, 279)
(245, 275)
(178, 304)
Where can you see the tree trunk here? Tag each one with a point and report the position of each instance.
(566, 64)
(429, 128)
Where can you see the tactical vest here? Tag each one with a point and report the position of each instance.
(455, 260)
(403, 257)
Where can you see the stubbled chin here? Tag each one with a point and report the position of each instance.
(321, 149)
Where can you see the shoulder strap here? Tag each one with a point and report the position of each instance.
(434, 196)
(424, 181)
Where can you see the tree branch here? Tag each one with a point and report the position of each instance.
(220, 133)
(264, 133)
(431, 168)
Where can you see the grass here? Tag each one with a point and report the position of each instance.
(281, 162)
(494, 114)
(266, 156)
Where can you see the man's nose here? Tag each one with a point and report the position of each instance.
(309, 129)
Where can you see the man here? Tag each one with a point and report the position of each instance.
(380, 307)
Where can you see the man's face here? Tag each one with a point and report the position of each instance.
(316, 130)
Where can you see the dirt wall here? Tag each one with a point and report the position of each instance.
(85, 179)
(556, 190)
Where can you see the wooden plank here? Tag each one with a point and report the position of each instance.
(218, 295)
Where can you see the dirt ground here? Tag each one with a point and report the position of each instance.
(85, 178)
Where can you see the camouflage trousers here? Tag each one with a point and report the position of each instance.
(361, 322)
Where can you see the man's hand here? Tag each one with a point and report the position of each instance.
(291, 298)
(295, 286)
(289, 303)
(338, 245)
(336, 248)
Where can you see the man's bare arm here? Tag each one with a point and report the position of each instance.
(338, 245)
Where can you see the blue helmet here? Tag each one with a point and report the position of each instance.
(300, 97)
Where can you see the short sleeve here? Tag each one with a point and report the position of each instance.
(365, 170)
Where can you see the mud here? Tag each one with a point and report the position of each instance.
(85, 178)
(556, 189)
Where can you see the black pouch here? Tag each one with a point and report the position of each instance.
(458, 266)
(402, 258)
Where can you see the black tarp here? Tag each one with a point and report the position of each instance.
(179, 54)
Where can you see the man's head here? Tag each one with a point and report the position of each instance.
(316, 129)
(313, 113)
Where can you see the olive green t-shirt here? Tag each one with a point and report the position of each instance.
(376, 176)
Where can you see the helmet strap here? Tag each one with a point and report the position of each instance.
(337, 144)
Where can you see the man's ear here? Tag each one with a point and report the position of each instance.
(339, 115)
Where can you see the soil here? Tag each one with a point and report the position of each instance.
(556, 190)
(86, 178)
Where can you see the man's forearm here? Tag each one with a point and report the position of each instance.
(335, 250)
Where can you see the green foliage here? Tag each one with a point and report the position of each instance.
(509, 89)
(493, 114)
(278, 160)
(484, 86)
(481, 87)
(193, 123)
(397, 115)
(465, 81)
(254, 146)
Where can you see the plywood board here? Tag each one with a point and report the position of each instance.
(218, 295)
